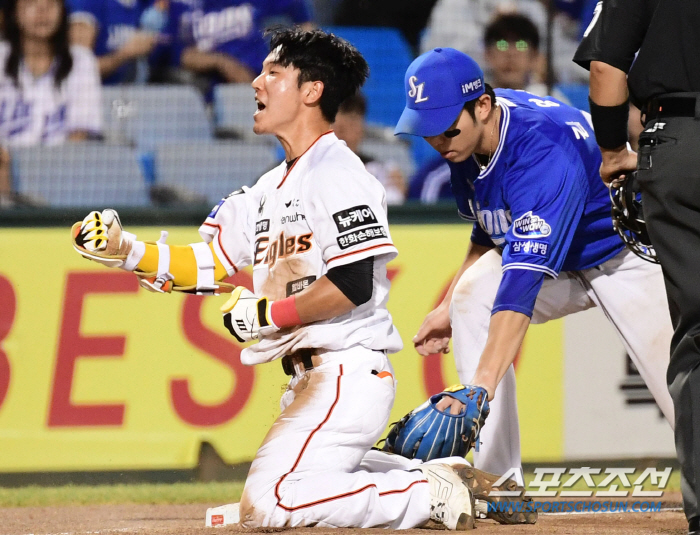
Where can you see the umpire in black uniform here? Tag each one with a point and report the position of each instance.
(664, 82)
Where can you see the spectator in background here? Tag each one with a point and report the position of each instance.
(460, 24)
(121, 33)
(49, 91)
(223, 39)
(349, 126)
(409, 16)
(512, 54)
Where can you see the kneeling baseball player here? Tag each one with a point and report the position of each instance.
(315, 231)
(526, 169)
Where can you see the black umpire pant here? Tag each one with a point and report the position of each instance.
(669, 177)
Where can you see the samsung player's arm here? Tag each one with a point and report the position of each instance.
(546, 189)
(506, 333)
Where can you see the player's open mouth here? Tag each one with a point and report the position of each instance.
(260, 105)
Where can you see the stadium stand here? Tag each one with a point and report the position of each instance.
(234, 106)
(212, 169)
(146, 115)
(388, 56)
(80, 174)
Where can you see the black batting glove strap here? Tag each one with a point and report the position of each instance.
(610, 124)
(263, 320)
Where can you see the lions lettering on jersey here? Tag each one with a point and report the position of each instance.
(494, 222)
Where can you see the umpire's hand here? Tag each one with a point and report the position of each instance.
(616, 163)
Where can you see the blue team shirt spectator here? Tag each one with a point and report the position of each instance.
(115, 23)
(231, 27)
(540, 198)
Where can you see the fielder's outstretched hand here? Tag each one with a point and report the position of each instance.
(435, 332)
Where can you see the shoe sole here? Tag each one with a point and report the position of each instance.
(482, 483)
(465, 522)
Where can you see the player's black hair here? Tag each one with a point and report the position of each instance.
(323, 57)
(512, 27)
(471, 105)
(60, 45)
(354, 104)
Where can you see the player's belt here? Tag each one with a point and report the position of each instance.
(673, 105)
(298, 362)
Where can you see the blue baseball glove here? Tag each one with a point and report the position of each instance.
(427, 433)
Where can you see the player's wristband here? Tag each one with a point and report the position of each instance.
(283, 313)
(610, 124)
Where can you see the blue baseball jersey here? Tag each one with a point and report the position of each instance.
(540, 199)
(115, 22)
(234, 27)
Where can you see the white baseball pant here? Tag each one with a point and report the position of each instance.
(307, 471)
(630, 292)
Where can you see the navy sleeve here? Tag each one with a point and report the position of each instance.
(480, 237)
(518, 291)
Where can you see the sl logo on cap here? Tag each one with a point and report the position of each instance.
(416, 90)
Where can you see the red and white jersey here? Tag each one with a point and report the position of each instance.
(36, 112)
(294, 225)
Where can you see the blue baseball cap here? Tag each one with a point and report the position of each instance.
(437, 85)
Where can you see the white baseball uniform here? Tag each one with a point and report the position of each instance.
(323, 211)
(38, 113)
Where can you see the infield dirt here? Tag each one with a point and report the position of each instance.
(189, 519)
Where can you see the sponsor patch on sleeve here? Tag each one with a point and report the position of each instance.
(296, 286)
(361, 236)
(529, 225)
(357, 216)
(532, 247)
(216, 208)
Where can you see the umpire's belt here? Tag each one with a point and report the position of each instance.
(673, 105)
(299, 362)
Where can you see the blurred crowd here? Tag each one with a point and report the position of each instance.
(58, 54)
